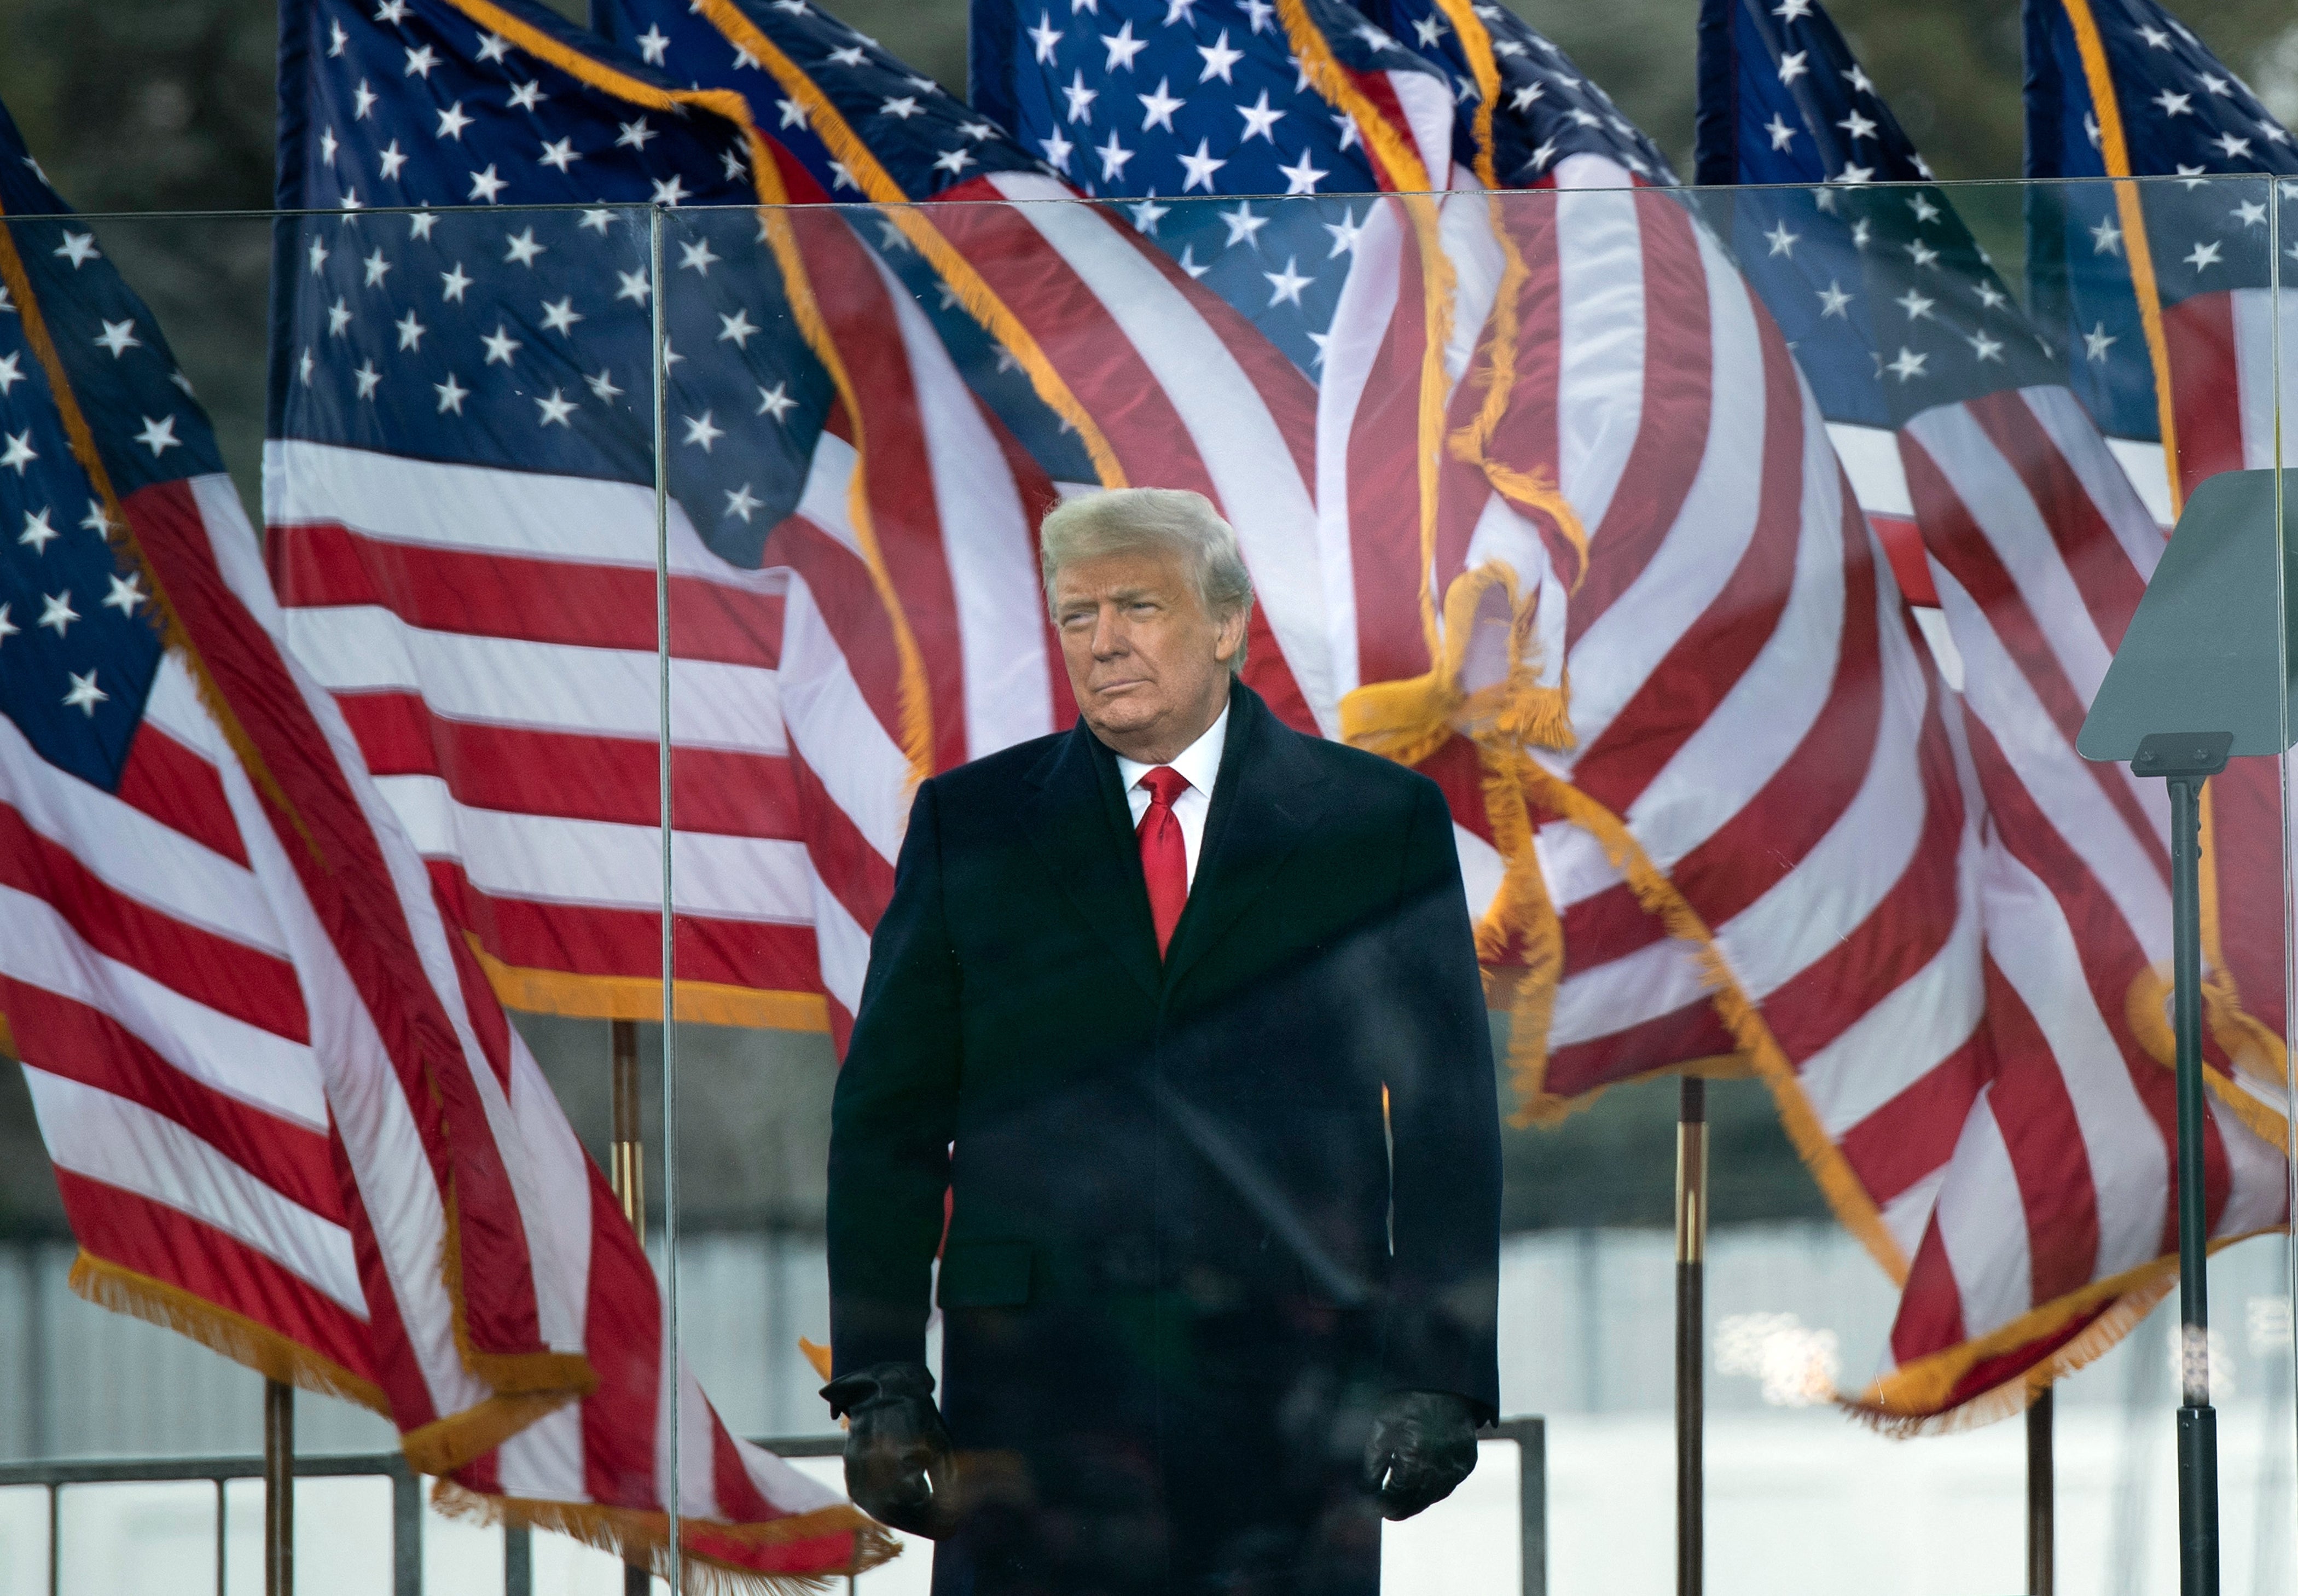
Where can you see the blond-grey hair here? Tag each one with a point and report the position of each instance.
(1166, 520)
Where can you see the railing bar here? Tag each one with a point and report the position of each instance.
(55, 1539)
(220, 1526)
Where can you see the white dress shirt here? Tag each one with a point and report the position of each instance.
(1199, 763)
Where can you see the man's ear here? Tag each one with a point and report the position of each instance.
(1231, 636)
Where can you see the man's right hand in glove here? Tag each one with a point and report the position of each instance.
(897, 1453)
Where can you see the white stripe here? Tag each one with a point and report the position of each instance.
(1471, 235)
(174, 707)
(985, 539)
(1599, 266)
(2141, 460)
(2033, 946)
(2258, 1194)
(1909, 1214)
(1483, 871)
(550, 687)
(1656, 980)
(1229, 427)
(106, 1138)
(1909, 1031)
(547, 858)
(1427, 106)
(1718, 518)
(2263, 390)
(2062, 784)
(832, 728)
(1359, 328)
(143, 859)
(240, 1061)
(1870, 460)
(544, 1460)
(1763, 717)
(841, 946)
(1983, 1224)
(2111, 492)
(2001, 504)
(484, 510)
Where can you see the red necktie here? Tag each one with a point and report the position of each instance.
(1164, 856)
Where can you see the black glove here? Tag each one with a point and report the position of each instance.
(897, 1453)
(1423, 1445)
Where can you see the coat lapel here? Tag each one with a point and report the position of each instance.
(1079, 823)
(1265, 800)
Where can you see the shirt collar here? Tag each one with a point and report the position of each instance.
(1199, 762)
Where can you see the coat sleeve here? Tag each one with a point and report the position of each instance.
(893, 1115)
(1440, 1324)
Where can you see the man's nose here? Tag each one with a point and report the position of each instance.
(1108, 635)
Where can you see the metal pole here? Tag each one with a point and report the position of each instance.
(406, 1533)
(627, 1164)
(2198, 1470)
(518, 1560)
(278, 1489)
(221, 1524)
(1690, 1322)
(2041, 1498)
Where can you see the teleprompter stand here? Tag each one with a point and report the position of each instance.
(2202, 674)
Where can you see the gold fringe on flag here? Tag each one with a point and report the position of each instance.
(641, 1538)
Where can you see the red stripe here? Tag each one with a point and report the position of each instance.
(857, 874)
(168, 1245)
(1383, 488)
(324, 564)
(181, 790)
(2205, 387)
(2101, 571)
(1704, 665)
(77, 1042)
(847, 602)
(1101, 367)
(622, 1331)
(904, 517)
(1038, 498)
(1914, 1135)
(1930, 1304)
(1903, 546)
(2044, 1138)
(340, 863)
(586, 939)
(2247, 839)
(249, 985)
(1962, 547)
(574, 775)
(398, 1368)
(1693, 1031)
(1677, 416)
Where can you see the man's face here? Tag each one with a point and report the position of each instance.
(1148, 665)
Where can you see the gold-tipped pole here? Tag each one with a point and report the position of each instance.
(278, 1489)
(2042, 1563)
(628, 1168)
(1690, 1322)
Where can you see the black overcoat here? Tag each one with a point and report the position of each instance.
(1204, 1211)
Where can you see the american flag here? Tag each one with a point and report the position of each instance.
(2028, 1174)
(2162, 293)
(459, 484)
(287, 1116)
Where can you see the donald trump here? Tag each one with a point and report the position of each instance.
(1180, 1009)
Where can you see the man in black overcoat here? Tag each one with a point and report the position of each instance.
(1180, 1009)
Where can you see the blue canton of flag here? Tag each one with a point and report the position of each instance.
(79, 643)
(1546, 108)
(523, 340)
(1887, 299)
(1170, 103)
(2176, 111)
(923, 140)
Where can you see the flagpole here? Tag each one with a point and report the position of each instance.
(2041, 1508)
(278, 1489)
(2198, 1445)
(626, 1171)
(1690, 1321)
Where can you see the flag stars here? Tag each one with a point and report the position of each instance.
(1122, 47)
(2204, 255)
(2106, 238)
(1045, 38)
(560, 153)
(1080, 99)
(56, 612)
(501, 345)
(1058, 151)
(634, 286)
(670, 191)
(743, 503)
(1908, 365)
(1921, 253)
(485, 185)
(451, 394)
(18, 451)
(1158, 108)
(37, 533)
(1781, 133)
(634, 136)
(419, 62)
(737, 329)
(1345, 233)
(850, 56)
(654, 46)
(596, 222)
(11, 372)
(8, 628)
(1148, 213)
(328, 145)
(2175, 104)
(126, 593)
(389, 159)
(78, 248)
(96, 521)
(493, 47)
(1782, 240)
(85, 694)
(363, 101)
(1304, 178)
(1219, 60)
(1285, 286)
(410, 333)
(453, 285)
(377, 268)
(119, 337)
(1984, 347)
(1243, 225)
(1199, 168)
(955, 161)
(527, 97)
(2250, 213)
(560, 316)
(1925, 211)
(1857, 126)
(452, 121)
(700, 429)
(1259, 120)
(369, 379)
(337, 40)
(339, 317)
(1794, 64)
(775, 402)
(2234, 148)
(1915, 305)
(1113, 157)
(697, 256)
(1991, 296)
(902, 107)
(555, 410)
(2097, 342)
(521, 249)
(603, 386)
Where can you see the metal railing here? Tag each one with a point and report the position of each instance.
(1529, 1435)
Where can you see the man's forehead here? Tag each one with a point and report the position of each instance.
(1120, 576)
